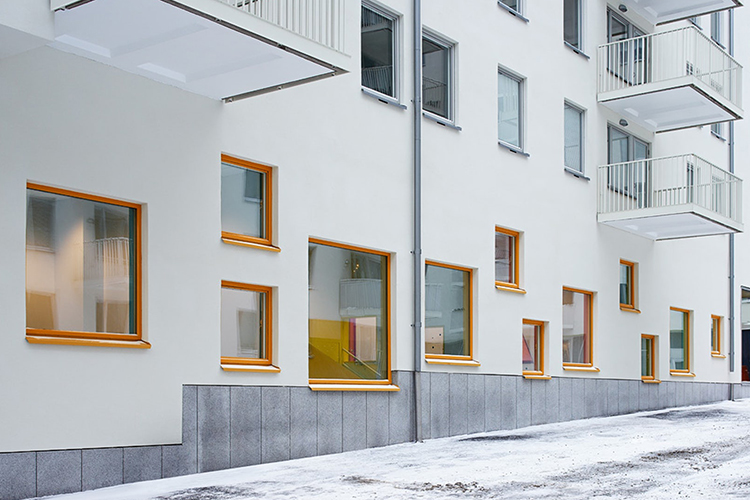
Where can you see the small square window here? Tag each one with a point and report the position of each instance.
(627, 285)
(577, 323)
(246, 216)
(648, 357)
(533, 347)
(246, 329)
(510, 110)
(514, 5)
(679, 340)
(574, 138)
(448, 302)
(506, 258)
(716, 334)
(437, 76)
(83, 268)
(379, 50)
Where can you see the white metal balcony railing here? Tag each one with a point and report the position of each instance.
(321, 21)
(669, 182)
(669, 55)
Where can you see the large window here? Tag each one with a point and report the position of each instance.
(572, 23)
(245, 202)
(246, 331)
(648, 358)
(533, 347)
(577, 326)
(437, 76)
(626, 60)
(447, 312)
(83, 268)
(349, 314)
(506, 258)
(716, 335)
(379, 50)
(510, 109)
(574, 137)
(679, 340)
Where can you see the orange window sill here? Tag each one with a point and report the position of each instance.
(536, 376)
(44, 339)
(449, 361)
(650, 381)
(718, 355)
(629, 309)
(508, 288)
(681, 374)
(574, 368)
(241, 243)
(237, 367)
(354, 387)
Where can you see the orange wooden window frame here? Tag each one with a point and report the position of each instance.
(267, 324)
(631, 288)
(540, 341)
(688, 317)
(652, 360)
(32, 333)
(716, 335)
(468, 270)
(516, 249)
(388, 381)
(590, 340)
(267, 201)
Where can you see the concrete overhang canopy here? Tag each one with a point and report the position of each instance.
(687, 221)
(207, 47)
(667, 11)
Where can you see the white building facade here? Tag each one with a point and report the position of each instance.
(211, 208)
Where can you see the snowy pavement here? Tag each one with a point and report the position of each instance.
(700, 452)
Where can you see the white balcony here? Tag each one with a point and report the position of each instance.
(672, 197)
(666, 11)
(670, 80)
(222, 49)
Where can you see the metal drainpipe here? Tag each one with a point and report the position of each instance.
(417, 252)
(731, 236)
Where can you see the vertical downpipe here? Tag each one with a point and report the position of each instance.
(731, 236)
(417, 252)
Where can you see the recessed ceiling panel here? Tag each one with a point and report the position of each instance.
(665, 11)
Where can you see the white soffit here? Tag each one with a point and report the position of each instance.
(673, 226)
(669, 109)
(665, 11)
(170, 45)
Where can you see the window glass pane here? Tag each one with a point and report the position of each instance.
(242, 201)
(436, 67)
(573, 138)
(715, 332)
(677, 340)
(447, 311)
(646, 368)
(576, 327)
(509, 109)
(513, 4)
(377, 52)
(243, 323)
(625, 284)
(716, 27)
(505, 245)
(80, 264)
(531, 348)
(571, 22)
(618, 146)
(348, 315)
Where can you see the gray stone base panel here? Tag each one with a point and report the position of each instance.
(235, 426)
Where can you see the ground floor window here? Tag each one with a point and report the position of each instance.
(246, 329)
(447, 311)
(533, 347)
(577, 327)
(648, 357)
(679, 340)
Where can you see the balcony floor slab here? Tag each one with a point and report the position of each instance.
(687, 221)
(666, 11)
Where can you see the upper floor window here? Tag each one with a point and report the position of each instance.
(379, 49)
(448, 322)
(83, 268)
(514, 5)
(437, 76)
(349, 314)
(506, 257)
(679, 340)
(510, 109)
(246, 192)
(246, 331)
(578, 318)
(717, 28)
(574, 138)
(572, 20)
(628, 176)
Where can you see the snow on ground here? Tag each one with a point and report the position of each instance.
(699, 452)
